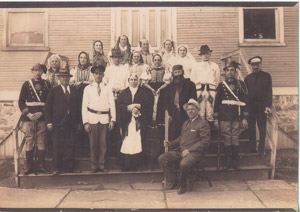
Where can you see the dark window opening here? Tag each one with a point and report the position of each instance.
(259, 24)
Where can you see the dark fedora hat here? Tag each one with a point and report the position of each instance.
(204, 49)
(98, 67)
(232, 64)
(38, 66)
(256, 59)
(64, 72)
(116, 52)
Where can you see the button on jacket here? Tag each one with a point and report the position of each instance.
(103, 102)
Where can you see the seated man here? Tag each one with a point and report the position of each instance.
(188, 148)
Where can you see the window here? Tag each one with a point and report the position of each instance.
(154, 24)
(261, 27)
(25, 30)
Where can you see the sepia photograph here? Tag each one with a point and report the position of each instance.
(149, 106)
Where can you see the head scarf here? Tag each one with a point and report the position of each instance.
(87, 62)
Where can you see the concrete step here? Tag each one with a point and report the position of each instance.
(115, 176)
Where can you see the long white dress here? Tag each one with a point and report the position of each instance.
(132, 143)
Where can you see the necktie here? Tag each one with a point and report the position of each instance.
(99, 89)
(176, 99)
(67, 94)
(188, 123)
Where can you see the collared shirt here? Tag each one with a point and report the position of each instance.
(103, 102)
(116, 77)
(64, 89)
(205, 72)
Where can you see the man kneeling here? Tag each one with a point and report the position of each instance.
(187, 149)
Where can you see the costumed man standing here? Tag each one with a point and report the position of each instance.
(31, 103)
(98, 117)
(230, 112)
(186, 150)
(62, 113)
(206, 76)
(259, 84)
(178, 92)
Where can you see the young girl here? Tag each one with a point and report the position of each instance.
(98, 54)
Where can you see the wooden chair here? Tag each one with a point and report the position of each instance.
(199, 172)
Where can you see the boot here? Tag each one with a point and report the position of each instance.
(29, 163)
(41, 159)
(235, 157)
(228, 156)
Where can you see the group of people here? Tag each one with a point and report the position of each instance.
(130, 91)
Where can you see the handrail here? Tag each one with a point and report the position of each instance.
(288, 135)
(273, 122)
(17, 150)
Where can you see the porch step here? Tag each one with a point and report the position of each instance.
(115, 176)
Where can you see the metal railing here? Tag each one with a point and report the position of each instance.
(17, 150)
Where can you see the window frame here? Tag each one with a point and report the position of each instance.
(144, 16)
(279, 31)
(6, 16)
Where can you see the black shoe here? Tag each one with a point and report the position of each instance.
(103, 170)
(171, 185)
(94, 171)
(28, 171)
(42, 170)
(181, 190)
(55, 173)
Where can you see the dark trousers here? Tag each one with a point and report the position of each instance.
(172, 160)
(63, 149)
(257, 114)
(98, 145)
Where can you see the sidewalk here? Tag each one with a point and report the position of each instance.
(223, 194)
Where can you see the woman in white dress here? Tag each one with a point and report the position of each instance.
(183, 58)
(167, 50)
(134, 116)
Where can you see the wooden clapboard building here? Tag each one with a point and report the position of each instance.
(28, 34)
(238, 31)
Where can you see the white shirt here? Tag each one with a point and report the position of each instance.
(186, 62)
(205, 72)
(116, 77)
(103, 102)
(64, 89)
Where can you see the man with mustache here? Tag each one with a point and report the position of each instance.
(178, 92)
(259, 85)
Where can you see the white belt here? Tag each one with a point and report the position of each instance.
(35, 103)
(233, 102)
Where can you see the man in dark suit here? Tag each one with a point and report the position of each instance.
(62, 115)
(188, 148)
(178, 92)
(259, 85)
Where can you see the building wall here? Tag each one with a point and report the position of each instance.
(70, 31)
(219, 28)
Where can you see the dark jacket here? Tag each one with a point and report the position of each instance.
(225, 112)
(57, 107)
(195, 137)
(124, 116)
(27, 94)
(187, 91)
(260, 88)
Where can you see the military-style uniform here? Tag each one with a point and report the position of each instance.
(230, 109)
(32, 100)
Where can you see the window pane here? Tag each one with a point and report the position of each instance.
(152, 27)
(259, 24)
(164, 25)
(124, 22)
(135, 28)
(26, 29)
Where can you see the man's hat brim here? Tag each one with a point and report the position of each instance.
(195, 103)
(64, 75)
(201, 53)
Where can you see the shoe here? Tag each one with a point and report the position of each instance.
(55, 173)
(29, 163)
(171, 185)
(103, 170)
(262, 152)
(181, 190)
(94, 170)
(41, 160)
